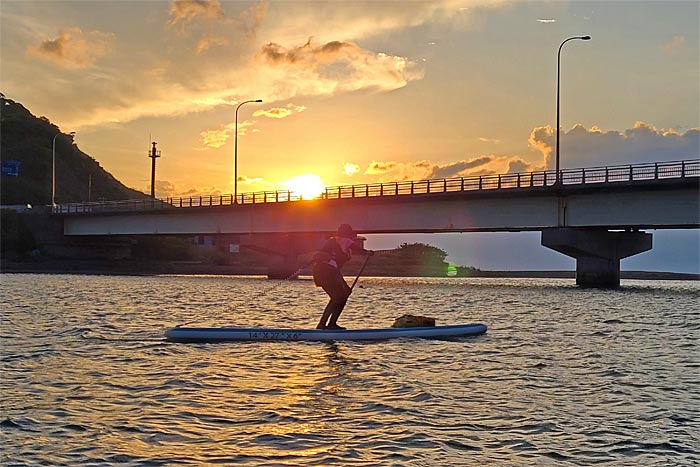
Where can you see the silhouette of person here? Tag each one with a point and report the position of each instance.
(335, 252)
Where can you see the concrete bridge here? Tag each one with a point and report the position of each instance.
(595, 215)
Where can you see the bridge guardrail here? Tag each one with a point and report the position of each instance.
(529, 180)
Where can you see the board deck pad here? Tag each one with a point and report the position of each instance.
(228, 334)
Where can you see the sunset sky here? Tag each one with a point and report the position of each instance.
(355, 92)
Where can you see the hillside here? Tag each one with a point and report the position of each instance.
(29, 140)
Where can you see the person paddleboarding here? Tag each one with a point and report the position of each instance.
(328, 261)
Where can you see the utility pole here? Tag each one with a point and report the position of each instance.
(154, 154)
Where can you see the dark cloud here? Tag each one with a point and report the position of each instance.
(309, 54)
(456, 168)
(582, 147)
(517, 165)
(335, 66)
(73, 48)
(380, 167)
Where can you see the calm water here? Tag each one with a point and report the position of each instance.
(564, 376)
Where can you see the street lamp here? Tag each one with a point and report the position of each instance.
(583, 38)
(235, 152)
(53, 170)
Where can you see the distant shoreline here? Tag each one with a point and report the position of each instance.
(189, 268)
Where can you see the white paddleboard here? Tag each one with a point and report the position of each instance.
(181, 334)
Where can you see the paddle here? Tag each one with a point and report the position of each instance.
(359, 273)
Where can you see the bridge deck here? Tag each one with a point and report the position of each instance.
(659, 173)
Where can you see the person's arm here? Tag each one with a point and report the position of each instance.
(360, 250)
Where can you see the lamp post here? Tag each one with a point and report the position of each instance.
(53, 169)
(235, 152)
(583, 38)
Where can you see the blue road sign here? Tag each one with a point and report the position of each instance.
(10, 168)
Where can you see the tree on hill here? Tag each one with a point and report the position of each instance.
(29, 140)
(422, 251)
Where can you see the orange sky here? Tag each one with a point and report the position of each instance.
(354, 92)
(359, 92)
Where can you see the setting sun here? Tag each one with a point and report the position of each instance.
(307, 186)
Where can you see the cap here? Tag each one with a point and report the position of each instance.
(345, 231)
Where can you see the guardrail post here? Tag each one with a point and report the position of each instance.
(583, 176)
(682, 169)
(518, 179)
(631, 173)
(381, 189)
(445, 187)
(481, 183)
(607, 175)
(656, 170)
(411, 187)
(499, 181)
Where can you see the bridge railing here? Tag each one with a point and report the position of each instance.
(531, 180)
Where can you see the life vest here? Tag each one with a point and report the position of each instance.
(332, 253)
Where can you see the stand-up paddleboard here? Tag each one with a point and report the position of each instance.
(179, 334)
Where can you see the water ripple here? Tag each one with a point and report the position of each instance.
(600, 378)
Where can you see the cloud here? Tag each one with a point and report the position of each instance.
(674, 44)
(208, 42)
(279, 112)
(168, 189)
(276, 112)
(333, 67)
(542, 139)
(361, 20)
(458, 168)
(219, 137)
(390, 171)
(164, 189)
(581, 147)
(518, 165)
(73, 49)
(249, 181)
(188, 10)
(252, 18)
(350, 168)
(219, 58)
(380, 167)
(215, 138)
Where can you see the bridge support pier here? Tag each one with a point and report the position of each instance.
(283, 250)
(597, 252)
(284, 268)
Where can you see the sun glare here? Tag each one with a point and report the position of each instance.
(307, 186)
